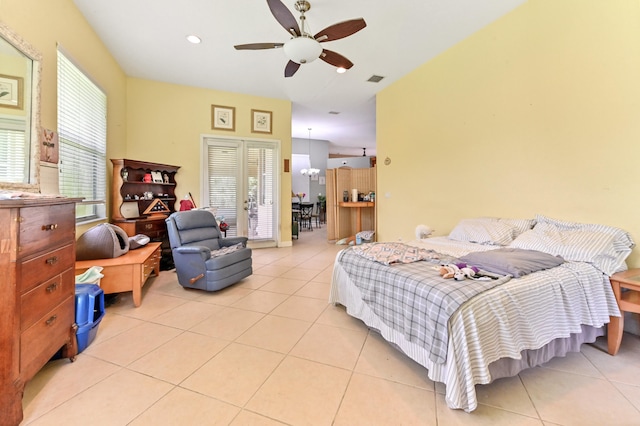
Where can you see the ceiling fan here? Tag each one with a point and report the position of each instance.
(303, 48)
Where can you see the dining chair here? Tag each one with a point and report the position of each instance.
(316, 215)
(306, 214)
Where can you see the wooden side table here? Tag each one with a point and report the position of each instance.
(128, 272)
(628, 301)
(359, 205)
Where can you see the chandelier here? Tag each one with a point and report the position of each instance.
(310, 171)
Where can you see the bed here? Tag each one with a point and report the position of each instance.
(473, 331)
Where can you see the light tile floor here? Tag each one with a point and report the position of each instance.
(271, 351)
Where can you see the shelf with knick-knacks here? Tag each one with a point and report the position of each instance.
(138, 187)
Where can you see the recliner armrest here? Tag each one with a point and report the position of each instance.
(202, 251)
(226, 242)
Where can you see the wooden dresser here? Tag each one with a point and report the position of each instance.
(37, 293)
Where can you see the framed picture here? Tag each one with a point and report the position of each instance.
(11, 91)
(223, 117)
(260, 121)
(49, 147)
(321, 180)
(157, 177)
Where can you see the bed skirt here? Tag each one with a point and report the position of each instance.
(509, 367)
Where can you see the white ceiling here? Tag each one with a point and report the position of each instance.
(147, 39)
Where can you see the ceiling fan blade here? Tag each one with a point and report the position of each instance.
(291, 68)
(335, 59)
(340, 30)
(284, 16)
(258, 46)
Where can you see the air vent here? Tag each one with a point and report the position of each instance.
(375, 78)
(334, 112)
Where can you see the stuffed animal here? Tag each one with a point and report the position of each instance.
(423, 231)
(457, 271)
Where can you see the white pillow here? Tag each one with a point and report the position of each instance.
(605, 247)
(483, 231)
(520, 225)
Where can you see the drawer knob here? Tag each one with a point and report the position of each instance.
(148, 226)
(49, 227)
(53, 287)
(52, 260)
(51, 320)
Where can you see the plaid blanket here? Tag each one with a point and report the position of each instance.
(413, 298)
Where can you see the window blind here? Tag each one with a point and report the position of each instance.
(224, 175)
(82, 129)
(14, 161)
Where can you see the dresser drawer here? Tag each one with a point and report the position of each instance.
(46, 336)
(48, 226)
(45, 297)
(34, 271)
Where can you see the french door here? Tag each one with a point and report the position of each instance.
(240, 183)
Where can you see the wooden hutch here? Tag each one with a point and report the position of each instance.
(143, 195)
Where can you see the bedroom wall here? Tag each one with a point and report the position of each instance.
(165, 123)
(45, 24)
(536, 113)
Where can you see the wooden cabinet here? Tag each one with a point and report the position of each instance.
(344, 219)
(133, 181)
(37, 318)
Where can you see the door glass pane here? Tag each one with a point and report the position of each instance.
(261, 191)
(223, 184)
(241, 183)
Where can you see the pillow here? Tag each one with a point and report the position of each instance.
(605, 247)
(483, 231)
(226, 250)
(520, 225)
(512, 261)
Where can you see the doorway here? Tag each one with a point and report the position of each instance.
(240, 183)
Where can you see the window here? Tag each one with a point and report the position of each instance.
(14, 149)
(82, 129)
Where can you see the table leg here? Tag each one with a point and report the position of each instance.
(137, 284)
(615, 327)
(614, 333)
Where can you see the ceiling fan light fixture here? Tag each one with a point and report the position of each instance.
(302, 50)
(341, 70)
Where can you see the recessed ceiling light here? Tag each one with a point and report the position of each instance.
(341, 70)
(194, 39)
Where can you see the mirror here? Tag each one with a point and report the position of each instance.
(19, 113)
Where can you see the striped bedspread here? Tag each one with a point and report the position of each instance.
(523, 313)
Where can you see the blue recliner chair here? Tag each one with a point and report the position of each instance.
(203, 258)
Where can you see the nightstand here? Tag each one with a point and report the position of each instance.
(628, 301)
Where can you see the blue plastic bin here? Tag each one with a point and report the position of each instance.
(89, 313)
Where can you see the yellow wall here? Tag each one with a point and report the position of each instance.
(166, 121)
(47, 24)
(537, 113)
